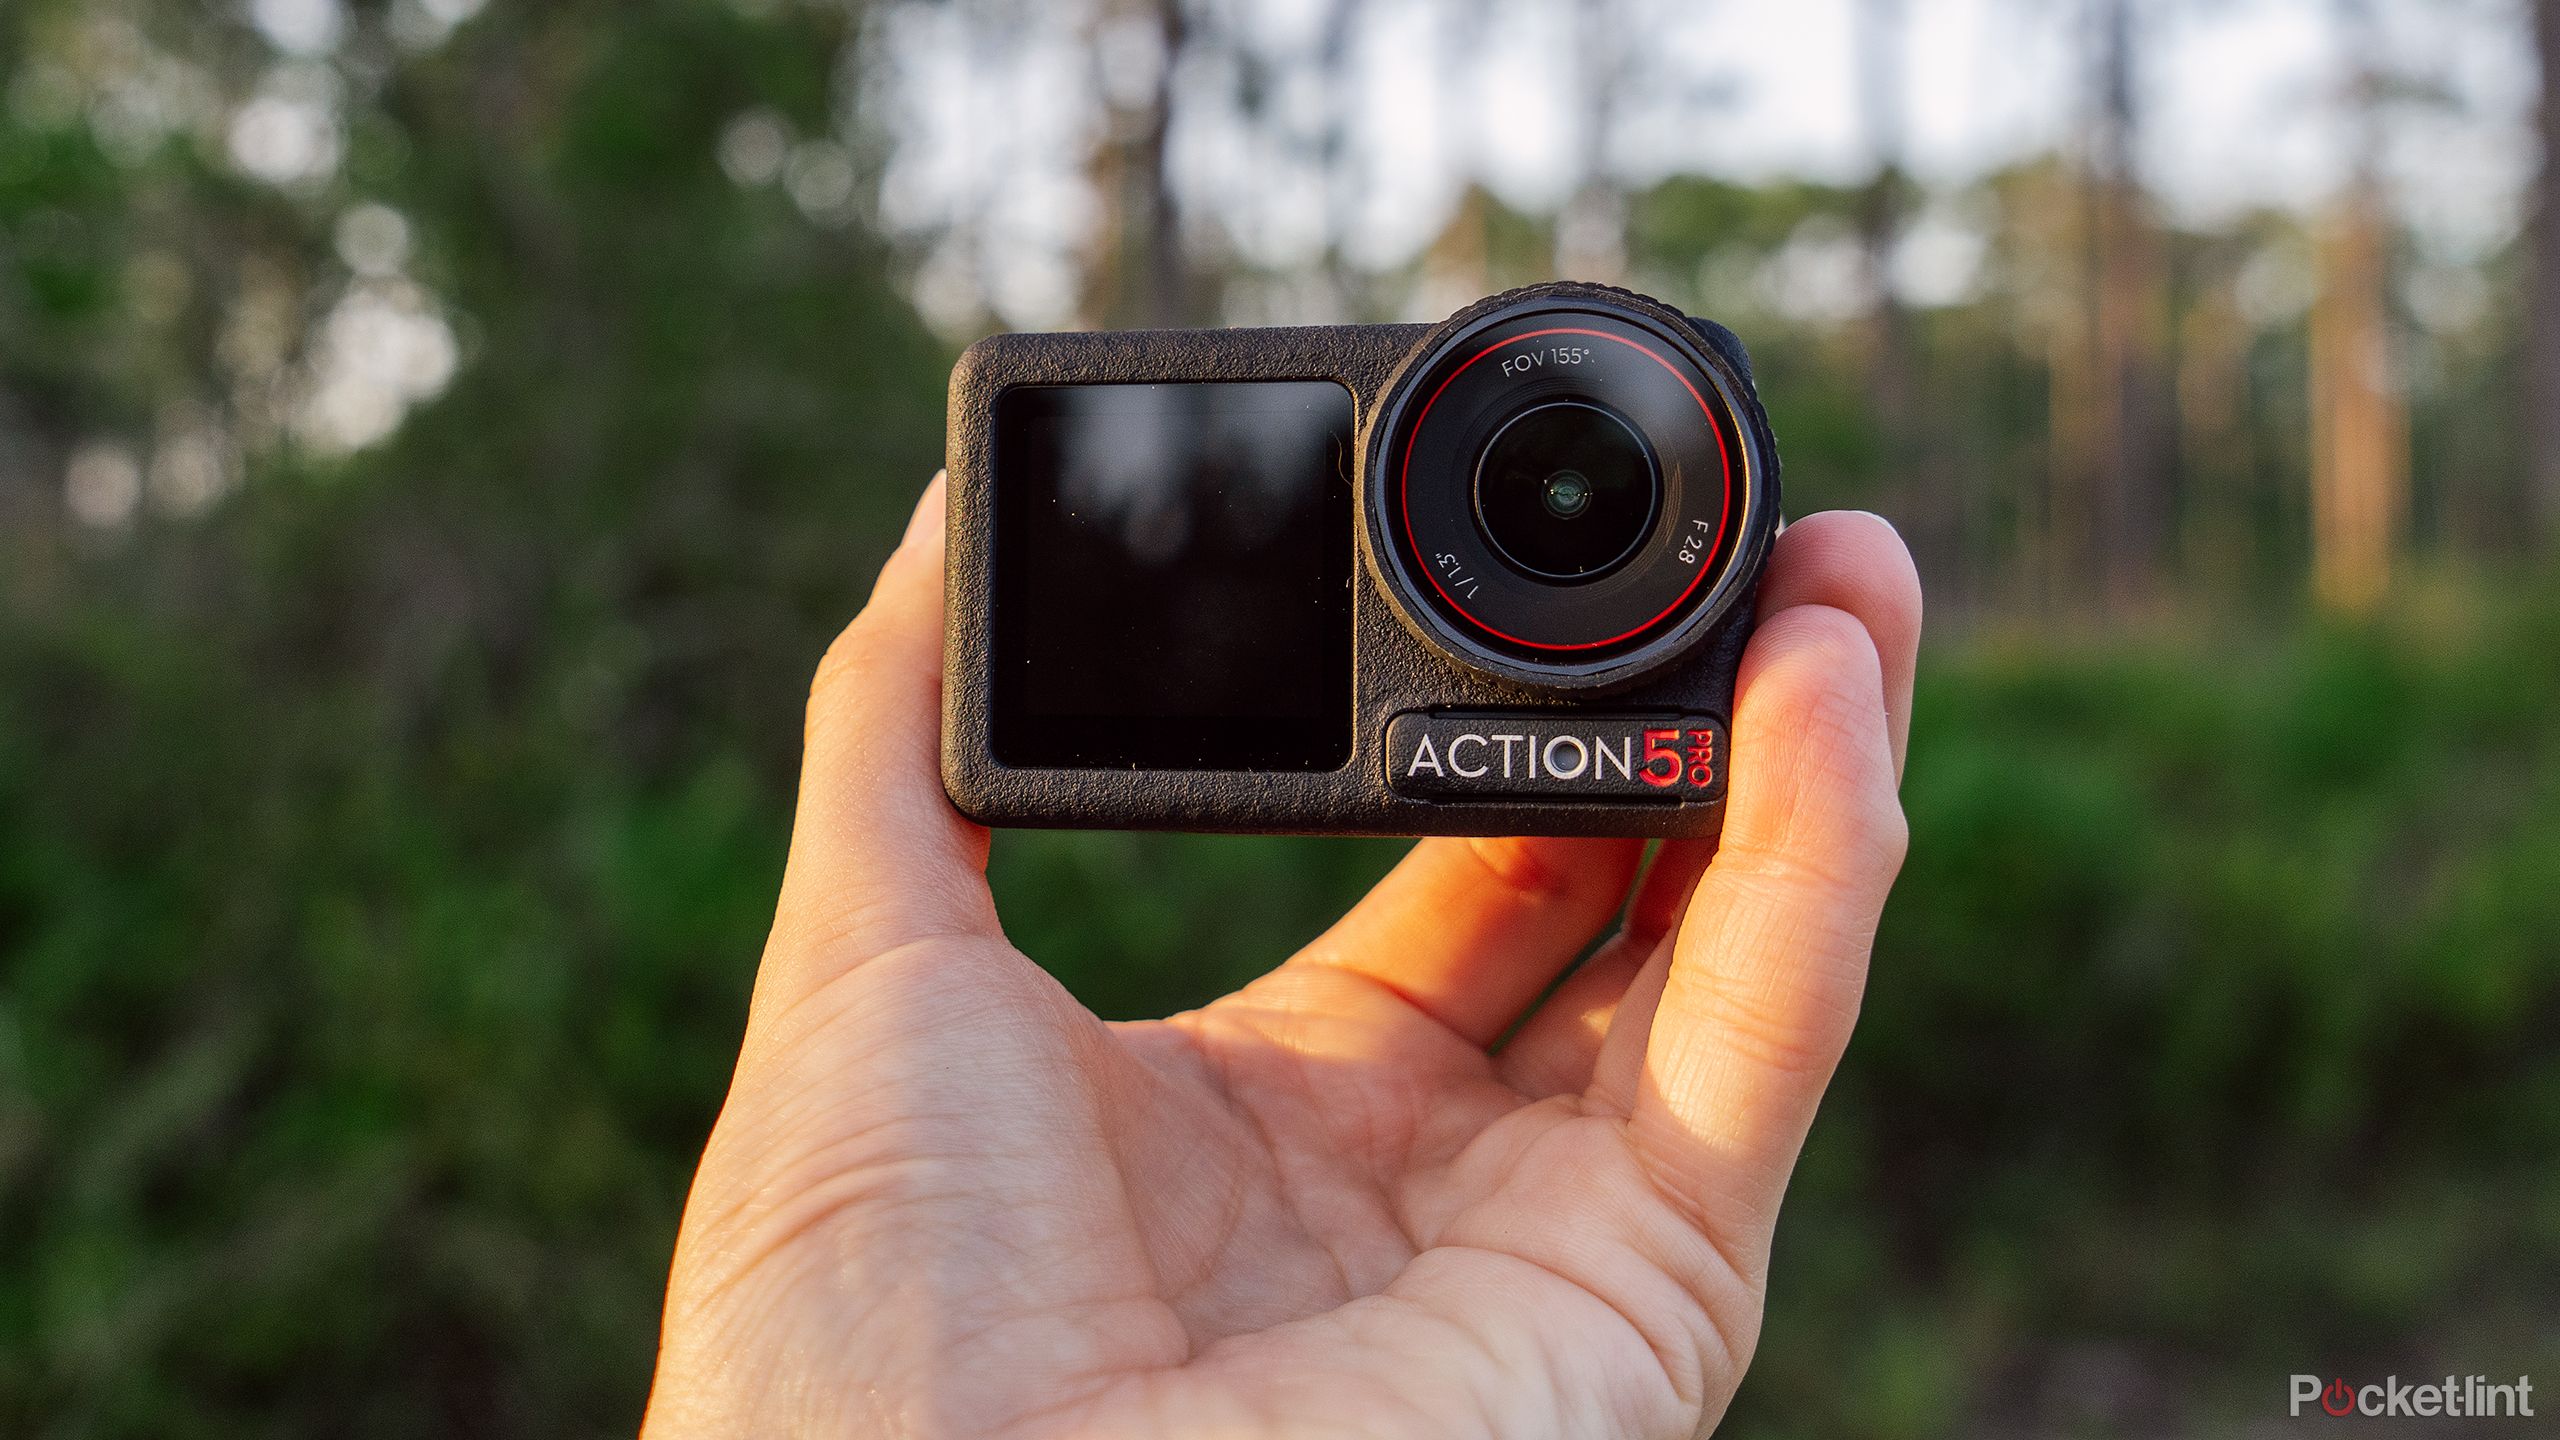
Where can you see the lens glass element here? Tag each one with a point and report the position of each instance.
(1566, 491)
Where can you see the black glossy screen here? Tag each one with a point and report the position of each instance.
(1173, 576)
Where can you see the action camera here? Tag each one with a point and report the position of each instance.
(1486, 577)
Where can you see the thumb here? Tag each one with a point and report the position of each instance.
(878, 857)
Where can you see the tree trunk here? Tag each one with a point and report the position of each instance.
(1929, 507)
(2359, 420)
(2109, 506)
(1591, 234)
(2359, 438)
(2129, 490)
(2219, 548)
(1880, 30)
(1136, 273)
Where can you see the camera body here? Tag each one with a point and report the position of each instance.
(1492, 576)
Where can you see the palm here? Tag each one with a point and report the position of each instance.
(1209, 1194)
(945, 1199)
(1502, 1226)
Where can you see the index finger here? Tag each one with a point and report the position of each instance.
(1770, 961)
(1854, 560)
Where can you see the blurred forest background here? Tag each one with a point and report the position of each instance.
(438, 438)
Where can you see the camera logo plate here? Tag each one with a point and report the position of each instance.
(1556, 755)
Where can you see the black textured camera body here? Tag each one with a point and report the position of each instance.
(1425, 723)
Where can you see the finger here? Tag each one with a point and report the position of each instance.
(1767, 967)
(1848, 560)
(1853, 561)
(1554, 1052)
(1473, 930)
(1664, 896)
(878, 856)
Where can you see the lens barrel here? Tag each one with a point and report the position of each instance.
(1560, 489)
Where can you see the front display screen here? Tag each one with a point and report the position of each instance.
(1173, 570)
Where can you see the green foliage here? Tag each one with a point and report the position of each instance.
(382, 859)
(2207, 1040)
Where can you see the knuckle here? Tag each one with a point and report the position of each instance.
(1857, 561)
(1839, 714)
(1895, 603)
(843, 655)
(853, 661)
(1891, 829)
(1798, 1035)
(1712, 1202)
(1830, 638)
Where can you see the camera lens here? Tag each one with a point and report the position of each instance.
(1560, 491)
(1566, 491)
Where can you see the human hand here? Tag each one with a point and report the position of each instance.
(944, 1199)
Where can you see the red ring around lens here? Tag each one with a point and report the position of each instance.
(1404, 474)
